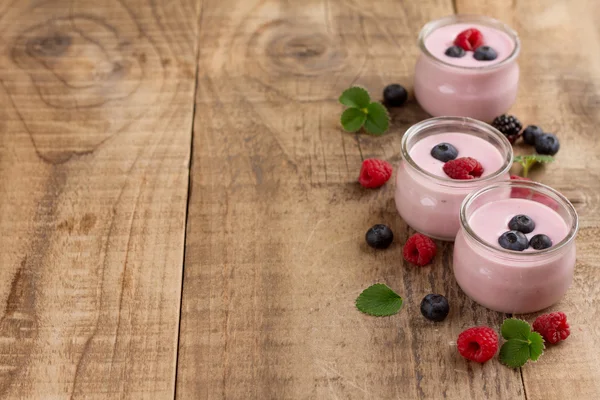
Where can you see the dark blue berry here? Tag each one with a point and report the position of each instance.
(379, 236)
(513, 240)
(394, 95)
(547, 143)
(444, 152)
(521, 223)
(540, 242)
(531, 133)
(435, 307)
(485, 53)
(455, 52)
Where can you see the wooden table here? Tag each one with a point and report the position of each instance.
(180, 214)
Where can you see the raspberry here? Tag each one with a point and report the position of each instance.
(419, 249)
(469, 39)
(478, 344)
(523, 193)
(374, 173)
(541, 198)
(520, 193)
(553, 327)
(463, 168)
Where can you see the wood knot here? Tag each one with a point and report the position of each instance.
(81, 68)
(49, 46)
(304, 53)
(77, 62)
(292, 56)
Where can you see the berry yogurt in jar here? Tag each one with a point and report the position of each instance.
(467, 67)
(443, 160)
(515, 250)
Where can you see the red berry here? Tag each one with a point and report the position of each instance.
(463, 168)
(478, 344)
(553, 327)
(374, 173)
(469, 39)
(520, 193)
(524, 193)
(541, 198)
(419, 249)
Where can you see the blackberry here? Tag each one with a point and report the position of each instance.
(509, 125)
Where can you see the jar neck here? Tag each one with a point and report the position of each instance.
(464, 125)
(498, 191)
(474, 19)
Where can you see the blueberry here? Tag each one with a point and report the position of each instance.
(531, 133)
(444, 152)
(435, 307)
(379, 236)
(513, 240)
(394, 95)
(521, 223)
(485, 53)
(540, 242)
(455, 52)
(547, 143)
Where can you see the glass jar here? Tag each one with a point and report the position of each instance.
(429, 203)
(483, 91)
(511, 281)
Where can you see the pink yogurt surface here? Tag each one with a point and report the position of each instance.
(439, 40)
(467, 146)
(491, 220)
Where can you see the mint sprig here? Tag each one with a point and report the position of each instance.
(362, 112)
(529, 161)
(379, 300)
(521, 344)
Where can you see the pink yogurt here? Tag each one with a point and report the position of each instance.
(512, 281)
(465, 86)
(426, 198)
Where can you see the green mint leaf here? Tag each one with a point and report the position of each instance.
(514, 353)
(529, 161)
(379, 300)
(536, 345)
(353, 119)
(378, 119)
(514, 328)
(534, 157)
(356, 97)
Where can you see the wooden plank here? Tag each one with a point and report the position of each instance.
(559, 90)
(97, 102)
(275, 252)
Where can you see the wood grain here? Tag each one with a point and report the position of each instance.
(275, 252)
(95, 131)
(560, 91)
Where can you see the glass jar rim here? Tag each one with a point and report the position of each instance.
(458, 122)
(530, 185)
(469, 18)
